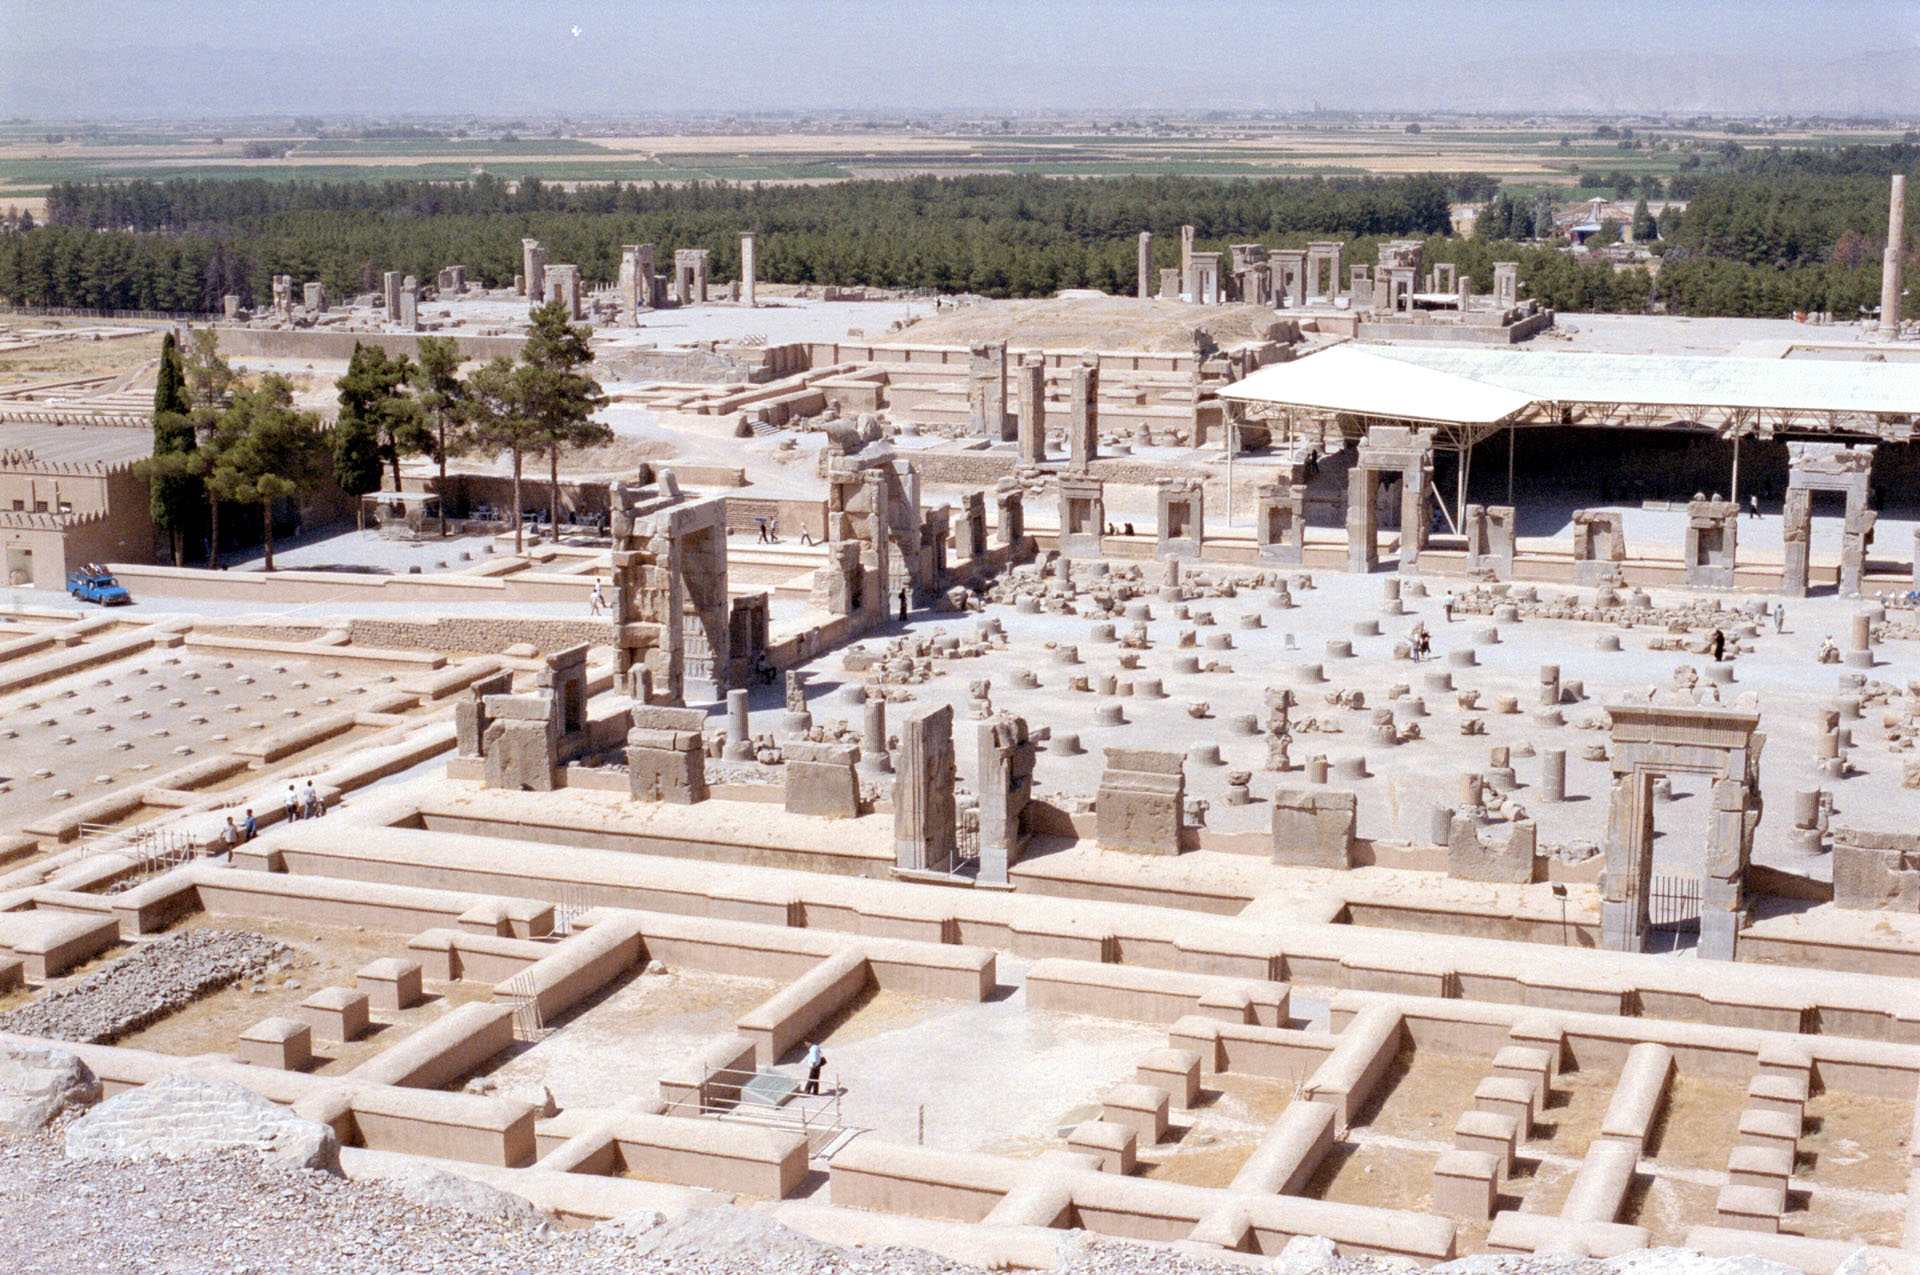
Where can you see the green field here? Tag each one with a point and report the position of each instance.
(1528, 158)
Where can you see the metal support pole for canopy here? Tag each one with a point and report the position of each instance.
(1233, 445)
(1733, 486)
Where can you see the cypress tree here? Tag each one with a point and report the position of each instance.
(173, 494)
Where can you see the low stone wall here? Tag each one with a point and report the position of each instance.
(453, 1126)
(443, 1051)
(327, 343)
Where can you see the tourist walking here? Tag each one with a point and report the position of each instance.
(230, 836)
(1446, 606)
(310, 798)
(1779, 617)
(815, 1061)
(599, 602)
(249, 827)
(1719, 646)
(293, 804)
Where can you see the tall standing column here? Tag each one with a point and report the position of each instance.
(748, 262)
(1890, 264)
(924, 828)
(1146, 264)
(1030, 389)
(1186, 263)
(1624, 882)
(1083, 423)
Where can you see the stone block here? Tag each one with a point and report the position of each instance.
(1784, 1094)
(1760, 1166)
(1492, 1132)
(1464, 1185)
(336, 1013)
(1140, 805)
(280, 1043)
(1177, 1071)
(1508, 858)
(1313, 828)
(1143, 1108)
(823, 780)
(1115, 1145)
(1750, 1208)
(391, 984)
(1506, 1096)
(1531, 1065)
(1769, 1129)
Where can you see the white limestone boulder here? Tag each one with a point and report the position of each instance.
(179, 1116)
(37, 1083)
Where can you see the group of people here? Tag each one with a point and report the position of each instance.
(304, 803)
(235, 833)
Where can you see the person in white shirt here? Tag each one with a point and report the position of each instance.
(815, 1061)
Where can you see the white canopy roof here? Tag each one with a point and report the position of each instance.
(1369, 382)
(1805, 385)
(1462, 385)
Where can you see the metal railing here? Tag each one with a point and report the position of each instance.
(522, 993)
(152, 850)
(1673, 902)
(729, 1093)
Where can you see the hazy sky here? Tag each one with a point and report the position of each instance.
(118, 58)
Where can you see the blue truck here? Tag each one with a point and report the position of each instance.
(96, 584)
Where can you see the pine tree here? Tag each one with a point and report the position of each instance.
(267, 451)
(442, 396)
(368, 399)
(497, 413)
(556, 394)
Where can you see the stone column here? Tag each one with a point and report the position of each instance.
(390, 294)
(987, 389)
(1624, 919)
(1363, 519)
(533, 264)
(1030, 390)
(1796, 528)
(1413, 517)
(873, 738)
(747, 269)
(1005, 769)
(1553, 775)
(1146, 265)
(1723, 904)
(1083, 416)
(1890, 263)
(924, 827)
(1860, 648)
(739, 733)
(1186, 262)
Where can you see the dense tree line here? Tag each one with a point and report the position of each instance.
(183, 244)
(1785, 221)
(1770, 231)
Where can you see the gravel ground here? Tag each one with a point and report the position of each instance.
(142, 988)
(244, 1214)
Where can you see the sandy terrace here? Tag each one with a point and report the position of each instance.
(327, 956)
